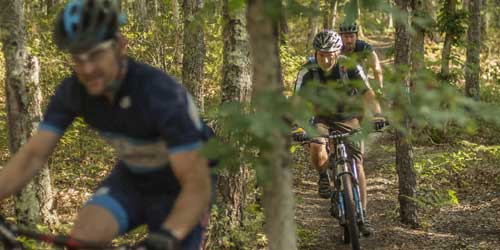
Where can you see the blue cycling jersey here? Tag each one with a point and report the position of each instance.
(151, 118)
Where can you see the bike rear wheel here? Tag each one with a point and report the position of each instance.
(351, 229)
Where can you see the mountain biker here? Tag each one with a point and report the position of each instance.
(330, 72)
(360, 50)
(160, 178)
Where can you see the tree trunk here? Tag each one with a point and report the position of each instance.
(404, 152)
(358, 19)
(236, 86)
(283, 25)
(35, 203)
(313, 24)
(142, 13)
(330, 15)
(194, 50)
(451, 6)
(418, 36)
(278, 198)
(472, 67)
(178, 34)
(49, 5)
(390, 16)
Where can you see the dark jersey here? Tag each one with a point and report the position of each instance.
(348, 83)
(361, 51)
(151, 118)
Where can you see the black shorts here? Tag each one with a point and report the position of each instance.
(135, 199)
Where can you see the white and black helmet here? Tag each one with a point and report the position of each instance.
(327, 41)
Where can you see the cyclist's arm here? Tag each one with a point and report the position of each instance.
(370, 104)
(30, 158)
(377, 69)
(192, 172)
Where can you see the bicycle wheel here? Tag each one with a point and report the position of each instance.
(351, 229)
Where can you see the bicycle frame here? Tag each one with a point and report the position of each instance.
(337, 168)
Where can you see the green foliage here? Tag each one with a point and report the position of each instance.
(442, 173)
(248, 237)
(452, 23)
(306, 237)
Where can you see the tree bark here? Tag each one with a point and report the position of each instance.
(236, 87)
(35, 203)
(178, 34)
(278, 201)
(472, 62)
(330, 15)
(404, 153)
(450, 8)
(418, 36)
(194, 50)
(313, 24)
(283, 25)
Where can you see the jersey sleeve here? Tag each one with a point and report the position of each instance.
(176, 114)
(62, 109)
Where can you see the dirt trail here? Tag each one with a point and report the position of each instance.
(473, 224)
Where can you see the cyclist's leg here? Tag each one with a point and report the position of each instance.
(110, 211)
(95, 224)
(319, 160)
(161, 203)
(319, 155)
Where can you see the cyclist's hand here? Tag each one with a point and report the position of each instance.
(379, 122)
(161, 240)
(299, 134)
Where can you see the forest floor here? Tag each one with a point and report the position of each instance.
(473, 223)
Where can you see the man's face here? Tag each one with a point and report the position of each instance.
(349, 40)
(326, 60)
(98, 67)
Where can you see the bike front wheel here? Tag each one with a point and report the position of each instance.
(351, 229)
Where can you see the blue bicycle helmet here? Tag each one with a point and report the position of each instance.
(83, 24)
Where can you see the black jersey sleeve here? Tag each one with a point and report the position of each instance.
(63, 107)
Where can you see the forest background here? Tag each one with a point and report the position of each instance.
(441, 69)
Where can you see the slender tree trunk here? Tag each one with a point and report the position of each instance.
(330, 15)
(236, 85)
(451, 6)
(472, 63)
(313, 24)
(141, 11)
(178, 32)
(283, 25)
(390, 17)
(418, 36)
(404, 153)
(278, 201)
(358, 18)
(194, 50)
(35, 203)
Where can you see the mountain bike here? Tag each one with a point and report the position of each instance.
(345, 200)
(9, 234)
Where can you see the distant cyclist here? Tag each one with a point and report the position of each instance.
(330, 72)
(360, 51)
(160, 178)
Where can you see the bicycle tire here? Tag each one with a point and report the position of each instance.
(350, 210)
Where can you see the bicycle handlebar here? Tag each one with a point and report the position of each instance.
(9, 233)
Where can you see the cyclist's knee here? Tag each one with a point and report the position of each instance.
(95, 224)
(318, 147)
